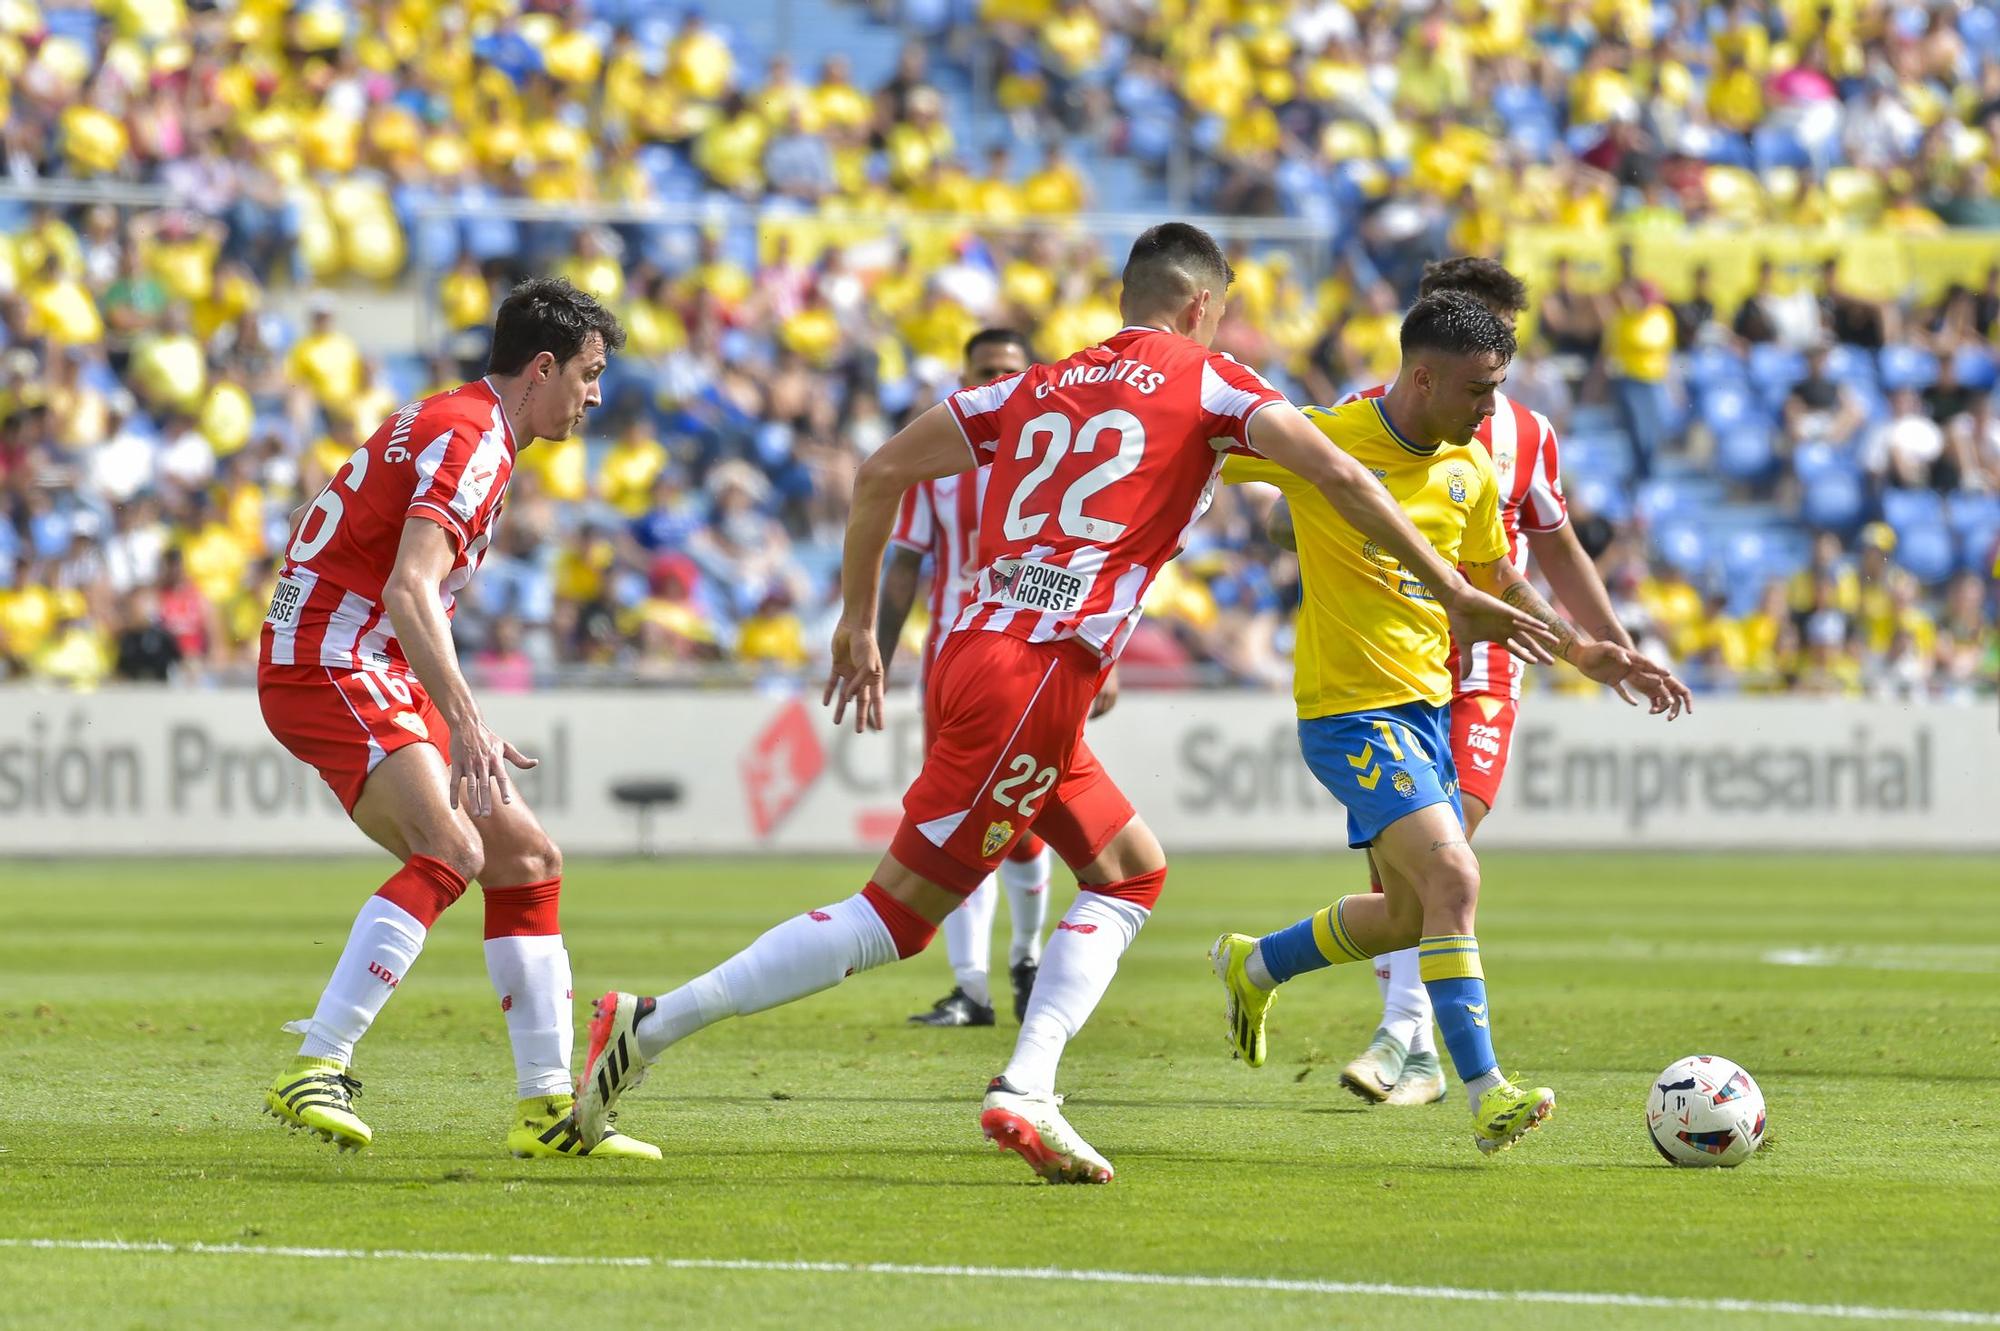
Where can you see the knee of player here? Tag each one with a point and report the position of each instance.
(1452, 883)
(463, 854)
(541, 861)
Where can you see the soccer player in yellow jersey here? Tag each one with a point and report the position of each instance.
(1373, 692)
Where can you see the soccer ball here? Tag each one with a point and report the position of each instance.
(1705, 1111)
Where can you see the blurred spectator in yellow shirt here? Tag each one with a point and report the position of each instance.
(634, 462)
(1640, 344)
(465, 297)
(326, 362)
(774, 635)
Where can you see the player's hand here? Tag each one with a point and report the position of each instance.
(479, 760)
(857, 677)
(1622, 671)
(1107, 697)
(1477, 617)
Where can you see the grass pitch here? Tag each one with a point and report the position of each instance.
(139, 1015)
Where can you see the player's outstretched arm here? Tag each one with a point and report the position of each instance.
(1573, 578)
(479, 757)
(1283, 434)
(899, 593)
(1617, 667)
(928, 447)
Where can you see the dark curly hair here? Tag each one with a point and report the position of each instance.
(1486, 280)
(1457, 324)
(548, 314)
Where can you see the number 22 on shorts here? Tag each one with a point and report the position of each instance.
(1023, 768)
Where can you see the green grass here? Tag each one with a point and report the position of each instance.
(140, 1007)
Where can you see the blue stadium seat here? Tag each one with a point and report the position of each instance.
(1744, 453)
(1595, 493)
(1907, 367)
(1928, 552)
(1979, 25)
(1684, 547)
(1606, 453)
(1708, 367)
(1850, 365)
(1975, 526)
(1770, 362)
(1774, 146)
(1811, 461)
(1912, 510)
(1834, 501)
(1665, 500)
(1975, 368)
(1728, 406)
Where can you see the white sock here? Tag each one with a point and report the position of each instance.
(380, 950)
(1381, 965)
(1255, 971)
(1479, 1086)
(1425, 1039)
(531, 974)
(1406, 1004)
(968, 941)
(1082, 957)
(804, 955)
(1027, 884)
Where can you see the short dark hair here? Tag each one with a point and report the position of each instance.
(1169, 263)
(1457, 324)
(998, 337)
(1483, 279)
(548, 314)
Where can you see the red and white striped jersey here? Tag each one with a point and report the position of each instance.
(940, 519)
(446, 459)
(1526, 460)
(1099, 465)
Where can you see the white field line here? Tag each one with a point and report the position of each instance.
(1577, 1298)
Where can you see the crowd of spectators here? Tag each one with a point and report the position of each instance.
(175, 380)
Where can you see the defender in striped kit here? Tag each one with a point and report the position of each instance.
(1097, 466)
(939, 522)
(1401, 1064)
(358, 677)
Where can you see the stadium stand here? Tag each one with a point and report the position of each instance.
(1766, 318)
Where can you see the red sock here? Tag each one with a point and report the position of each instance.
(1143, 890)
(912, 932)
(424, 887)
(529, 909)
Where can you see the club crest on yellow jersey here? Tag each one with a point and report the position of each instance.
(1455, 482)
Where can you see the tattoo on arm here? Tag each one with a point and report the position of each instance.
(1522, 595)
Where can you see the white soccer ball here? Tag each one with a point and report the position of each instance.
(1705, 1111)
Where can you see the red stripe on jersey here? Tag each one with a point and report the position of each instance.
(445, 459)
(1108, 459)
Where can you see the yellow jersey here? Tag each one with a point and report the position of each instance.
(1369, 634)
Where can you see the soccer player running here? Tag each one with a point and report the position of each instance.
(1372, 684)
(1099, 464)
(939, 520)
(1400, 1065)
(357, 676)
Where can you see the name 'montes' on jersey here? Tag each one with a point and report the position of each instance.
(1099, 464)
(446, 459)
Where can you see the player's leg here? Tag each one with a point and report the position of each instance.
(391, 777)
(1120, 870)
(968, 946)
(1375, 1072)
(1384, 765)
(1025, 876)
(529, 966)
(959, 816)
(1421, 1080)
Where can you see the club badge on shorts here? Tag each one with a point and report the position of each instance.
(997, 835)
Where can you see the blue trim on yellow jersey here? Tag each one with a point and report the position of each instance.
(1397, 435)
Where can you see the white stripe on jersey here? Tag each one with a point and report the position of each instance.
(336, 649)
(1221, 398)
(375, 753)
(285, 637)
(378, 637)
(482, 469)
(1110, 629)
(428, 462)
